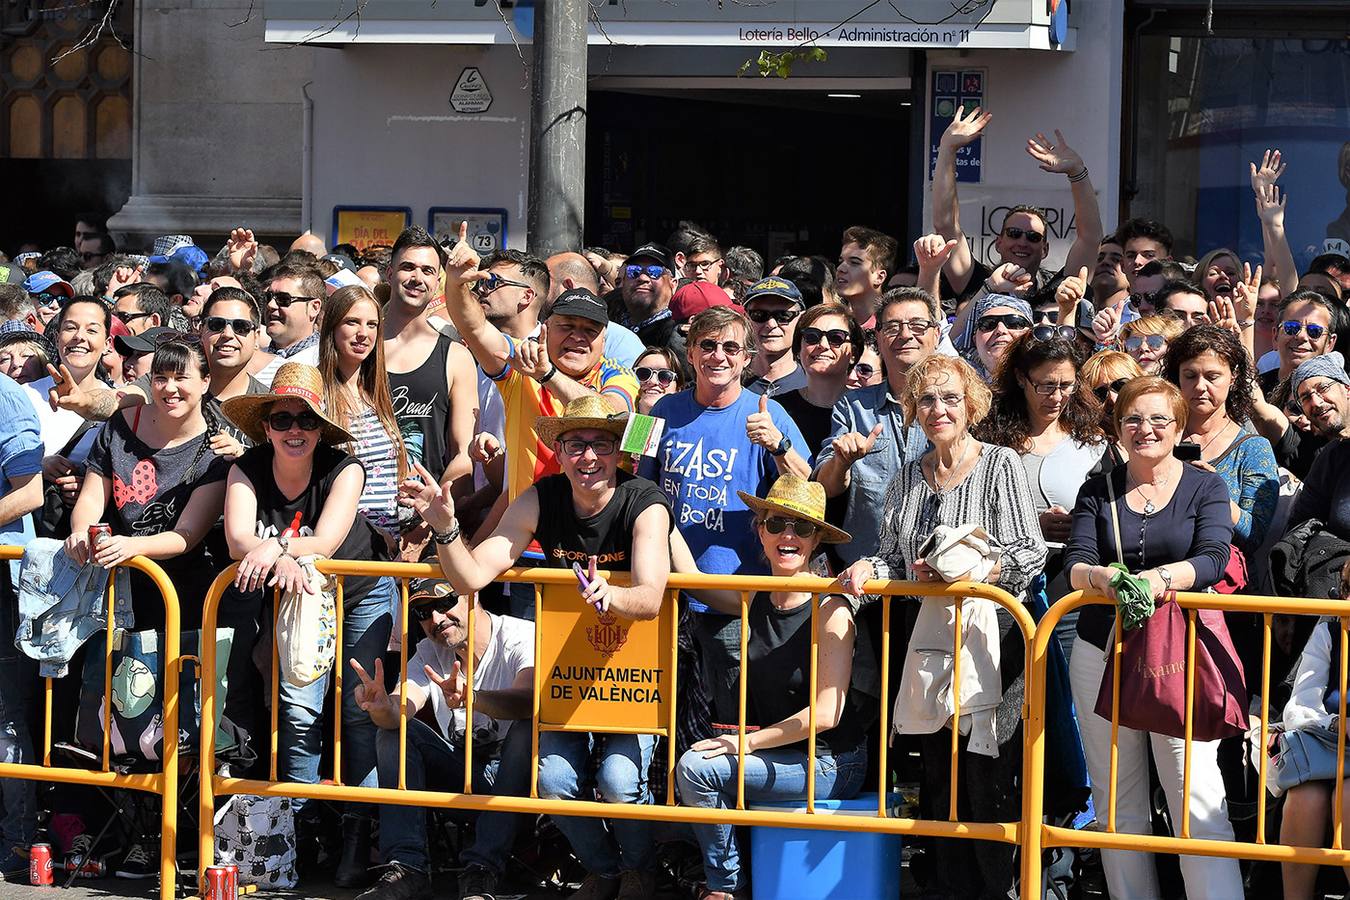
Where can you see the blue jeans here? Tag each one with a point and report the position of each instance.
(770, 775)
(366, 624)
(435, 763)
(620, 777)
(18, 690)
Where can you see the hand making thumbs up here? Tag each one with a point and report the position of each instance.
(760, 429)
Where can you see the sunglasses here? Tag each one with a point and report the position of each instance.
(242, 327)
(494, 282)
(1314, 330)
(800, 527)
(1154, 341)
(126, 318)
(282, 299)
(282, 421)
(781, 316)
(1048, 316)
(652, 272)
(423, 611)
(644, 374)
(917, 327)
(730, 348)
(1033, 237)
(837, 337)
(1010, 321)
(90, 257)
(1114, 387)
(48, 300)
(1051, 332)
(865, 370)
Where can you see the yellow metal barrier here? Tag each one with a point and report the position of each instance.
(1041, 835)
(165, 782)
(213, 785)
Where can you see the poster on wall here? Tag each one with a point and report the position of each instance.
(369, 226)
(487, 226)
(951, 90)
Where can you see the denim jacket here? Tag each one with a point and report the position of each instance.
(61, 604)
(860, 410)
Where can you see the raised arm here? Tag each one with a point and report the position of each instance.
(1270, 206)
(1059, 157)
(946, 205)
(488, 345)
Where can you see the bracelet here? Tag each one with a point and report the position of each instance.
(1074, 179)
(1247, 324)
(552, 370)
(447, 537)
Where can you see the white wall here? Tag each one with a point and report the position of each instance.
(1078, 92)
(385, 135)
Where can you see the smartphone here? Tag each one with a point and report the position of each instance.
(582, 580)
(1187, 451)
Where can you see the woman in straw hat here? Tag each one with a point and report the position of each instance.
(295, 494)
(790, 523)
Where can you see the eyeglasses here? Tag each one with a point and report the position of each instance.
(666, 377)
(1048, 388)
(242, 327)
(1321, 390)
(1314, 330)
(652, 272)
(1051, 332)
(283, 421)
(864, 370)
(1046, 316)
(800, 527)
(1033, 237)
(930, 401)
(282, 299)
(730, 348)
(495, 282)
(601, 446)
(90, 257)
(423, 611)
(917, 327)
(127, 318)
(703, 266)
(1139, 298)
(837, 337)
(1010, 321)
(781, 316)
(1137, 341)
(1113, 388)
(1134, 423)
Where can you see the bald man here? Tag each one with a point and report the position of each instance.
(310, 243)
(572, 270)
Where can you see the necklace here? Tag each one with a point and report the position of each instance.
(1157, 484)
(1204, 448)
(938, 486)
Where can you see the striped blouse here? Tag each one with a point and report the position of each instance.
(375, 449)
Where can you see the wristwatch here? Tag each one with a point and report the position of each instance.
(284, 540)
(1165, 575)
(783, 447)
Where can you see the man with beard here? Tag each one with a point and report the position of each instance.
(503, 691)
(431, 378)
(646, 284)
(1320, 387)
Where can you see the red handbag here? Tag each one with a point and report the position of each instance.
(1153, 672)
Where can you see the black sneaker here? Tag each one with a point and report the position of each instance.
(138, 864)
(399, 882)
(477, 883)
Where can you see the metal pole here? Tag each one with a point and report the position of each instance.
(558, 127)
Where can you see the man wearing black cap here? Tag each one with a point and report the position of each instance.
(772, 305)
(646, 284)
(503, 679)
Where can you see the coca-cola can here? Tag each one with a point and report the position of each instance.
(99, 533)
(40, 865)
(222, 883)
(86, 868)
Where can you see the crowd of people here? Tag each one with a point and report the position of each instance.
(1132, 424)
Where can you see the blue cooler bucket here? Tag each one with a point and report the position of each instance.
(808, 864)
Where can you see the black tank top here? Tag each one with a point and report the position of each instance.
(566, 538)
(422, 408)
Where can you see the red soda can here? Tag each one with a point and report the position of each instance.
(98, 532)
(89, 868)
(40, 865)
(222, 883)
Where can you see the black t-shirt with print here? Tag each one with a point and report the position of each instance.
(566, 537)
(151, 487)
(277, 512)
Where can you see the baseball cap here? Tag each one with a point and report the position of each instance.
(193, 257)
(696, 296)
(12, 274)
(580, 302)
(342, 260)
(48, 283)
(421, 590)
(658, 252)
(773, 286)
(343, 278)
(147, 341)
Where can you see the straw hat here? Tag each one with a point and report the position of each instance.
(797, 498)
(293, 381)
(590, 411)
